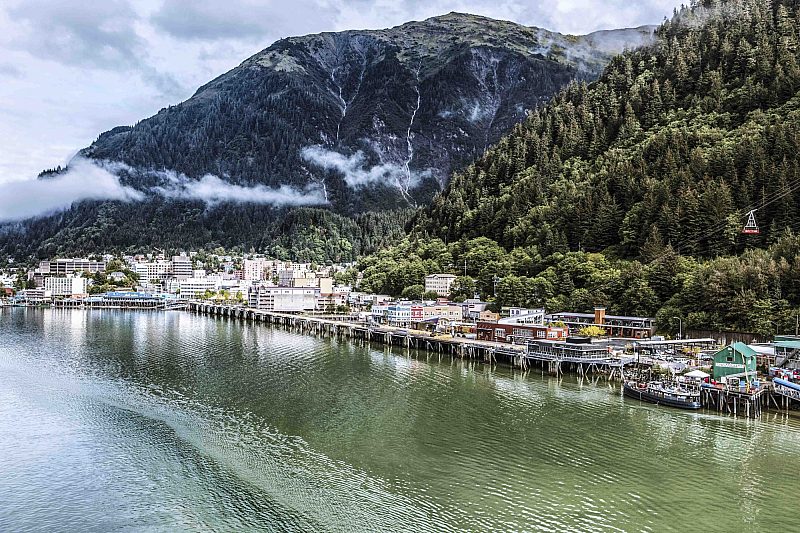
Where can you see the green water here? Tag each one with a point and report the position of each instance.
(130, 421)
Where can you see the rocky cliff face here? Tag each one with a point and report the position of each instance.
(374, 119)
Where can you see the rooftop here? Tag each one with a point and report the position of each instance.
(591, 315)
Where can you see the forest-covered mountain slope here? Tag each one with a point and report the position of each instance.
(366, 122)
(674, 143)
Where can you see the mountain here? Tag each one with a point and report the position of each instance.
(632, 192)
(361, 121)
(416, 100)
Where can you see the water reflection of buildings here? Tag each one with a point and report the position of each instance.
(71, 329)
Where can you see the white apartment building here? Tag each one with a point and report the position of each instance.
(65, 267)
(71, 286)
(439, 283)
(181, 267)
(283, 299)
(194, 287)
(257, 269)
(297, 278)
(450, 312)
(153, 269)
(520, 315)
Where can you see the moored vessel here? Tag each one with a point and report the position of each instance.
(663, 393)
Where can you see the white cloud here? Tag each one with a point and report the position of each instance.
(213, 190)
(356, 172)
(88, 179)
(85, 180)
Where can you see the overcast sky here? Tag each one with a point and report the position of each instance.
(71, 69)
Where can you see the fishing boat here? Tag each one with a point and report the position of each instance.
(662, 393)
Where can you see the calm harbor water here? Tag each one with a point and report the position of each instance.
(123, 421)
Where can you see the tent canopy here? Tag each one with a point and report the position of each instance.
(699, 374)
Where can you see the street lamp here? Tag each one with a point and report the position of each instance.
(496, 280)
(680, 326)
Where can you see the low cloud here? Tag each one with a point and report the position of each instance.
(84, 180)
(87, 179)
(357, 174)
(213, 190)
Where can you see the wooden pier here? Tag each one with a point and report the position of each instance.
(737, 402)
(347, 327)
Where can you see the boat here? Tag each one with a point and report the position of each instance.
(662, 393)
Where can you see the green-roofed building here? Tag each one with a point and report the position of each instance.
(735, 361)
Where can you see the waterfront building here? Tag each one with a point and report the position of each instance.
(70, 286)
(449, 312)
(471, 309)
(132, 300)
(787, 351)
(398, 315)
(615, 326)
(571, 350)
(283, 299)
(735, 361)
(439, 283)
(38, 295)
(380, 313)
(330, 296)
(513, 331)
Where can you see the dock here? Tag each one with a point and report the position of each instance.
(347, 327)
(738, 402)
